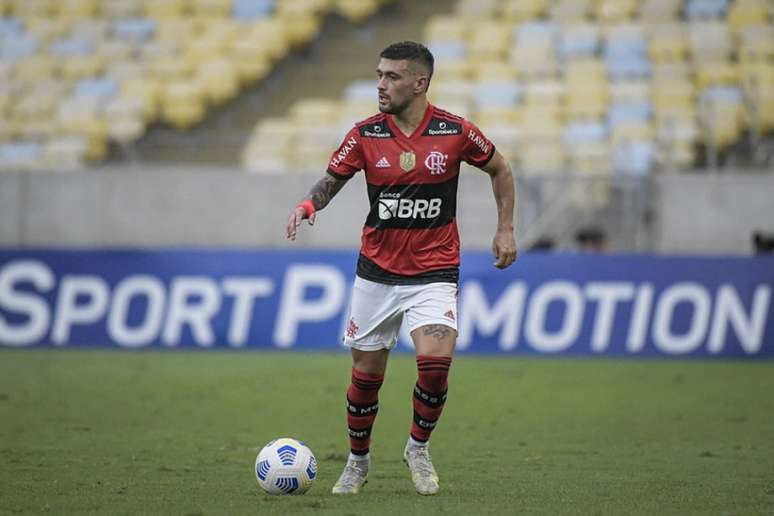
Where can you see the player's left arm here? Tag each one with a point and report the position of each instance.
(504, 243)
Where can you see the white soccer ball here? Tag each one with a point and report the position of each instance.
(285, 466)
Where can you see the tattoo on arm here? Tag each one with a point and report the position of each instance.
(439, 331)
(324, 190)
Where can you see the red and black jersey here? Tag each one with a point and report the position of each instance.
(410, 234)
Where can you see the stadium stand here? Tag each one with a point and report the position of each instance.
(76, 75)
(601, 87)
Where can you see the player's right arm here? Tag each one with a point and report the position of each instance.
(345, 162)
(318, 198)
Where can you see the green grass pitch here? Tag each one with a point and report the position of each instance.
(111, 432)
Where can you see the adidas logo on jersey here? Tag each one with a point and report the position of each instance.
(383, 163)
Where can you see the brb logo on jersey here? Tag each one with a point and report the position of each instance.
(436, 163)
(397, 208)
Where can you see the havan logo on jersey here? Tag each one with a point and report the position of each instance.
(344, 152)
(479, 140)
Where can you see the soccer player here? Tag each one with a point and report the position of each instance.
(409, 260)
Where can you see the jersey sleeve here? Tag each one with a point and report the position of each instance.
(348, 158)
(477, 149)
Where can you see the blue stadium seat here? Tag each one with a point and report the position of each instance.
(250, 9)
(448, 50)
(634, 67)
(71, 47)
(724, 94)
(10, 26)
(101, 88)
(497, 94)
(634, 158)
(535, 33)
(22, 152)
(703, 9)
(16, 47)
(581, 132)
(135, 30)
(628, 112)
(578, 41)
(361, 90)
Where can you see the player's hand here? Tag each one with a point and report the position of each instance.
(296, 216)
(504, 249)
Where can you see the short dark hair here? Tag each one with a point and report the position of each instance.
(411, 51)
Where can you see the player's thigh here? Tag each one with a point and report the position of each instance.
(431, 314)
(434, 340)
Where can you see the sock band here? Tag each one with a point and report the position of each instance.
(362, 407)
(430, 394)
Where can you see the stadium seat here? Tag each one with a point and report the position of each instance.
(542, 158)
(634, 157)
(579, 40)
(570, 10)
(489, 40)
(446, 28)
(64, 153)
(658, 11)
(668, 42)
(496, 94)
(516, 11)
(248, 10)
(615, 11)
(710, 41)
(705, 9)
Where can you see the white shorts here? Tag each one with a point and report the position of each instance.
(376, 311)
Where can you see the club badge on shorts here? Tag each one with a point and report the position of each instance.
(408, 161)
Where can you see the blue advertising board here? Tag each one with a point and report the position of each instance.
(545, 304)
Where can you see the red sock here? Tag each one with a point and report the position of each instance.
(429, 394)
(362, 406)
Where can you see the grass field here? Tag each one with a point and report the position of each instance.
(100, 432)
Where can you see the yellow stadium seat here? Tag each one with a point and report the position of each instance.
(676, 70)
(545, 158)
(79, 9)
(537, 129)
(301, 29)
(165, 8)
(178, 29)
(34, 8)
(289, 9)
(80, 117)
(721, 123)
(493, 70)
(476, 9)
(79, 67)
(489, 40)
(36, 69)
(749, 13)
(658, 11)
(716, 74)
(114, 52)
(615, 11)
(668, 42)
(710, 41)
(205, 48)
(219, 79)
(446, 28)
(516, 11)
(586, 104)
(183, 116)
(47, 29)
(461, 69)
(113, 9)
(210, 9)
(316, 111)
(533, 63)
(356, 11)
(147, 89)
(271, 38)
(171, 68)
(570, 10)
(585, 71)
(756, 45)
(592, 158)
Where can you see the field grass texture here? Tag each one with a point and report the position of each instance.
(111, 432)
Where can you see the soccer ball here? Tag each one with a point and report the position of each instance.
(285, 466)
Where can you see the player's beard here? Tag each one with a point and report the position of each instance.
(393, 108)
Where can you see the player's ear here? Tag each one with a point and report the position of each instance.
(422, 83)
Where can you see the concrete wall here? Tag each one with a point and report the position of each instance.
(712, 213)
(207, 207)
